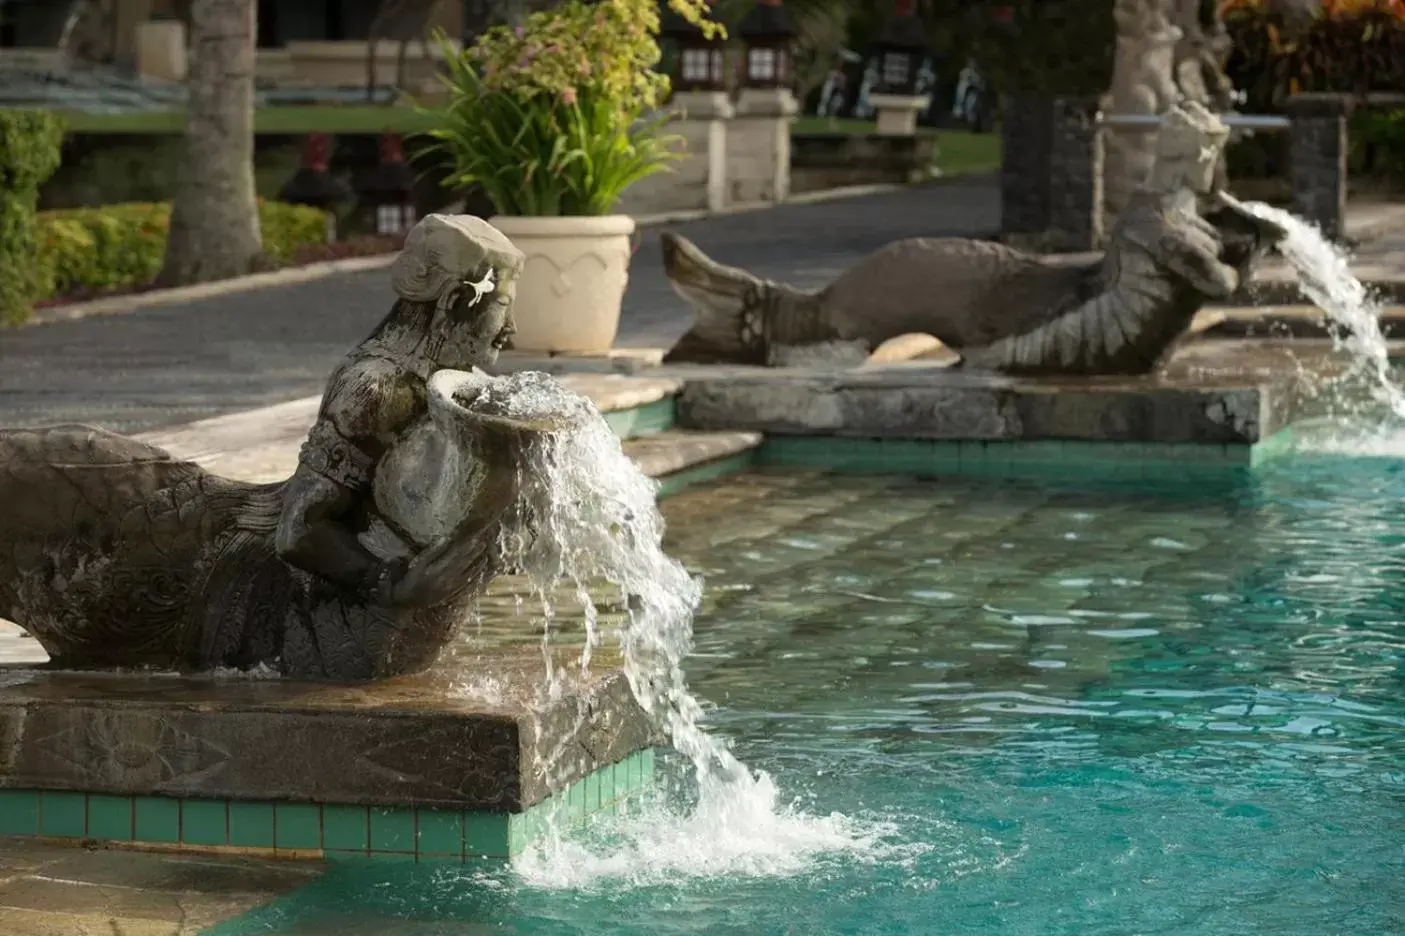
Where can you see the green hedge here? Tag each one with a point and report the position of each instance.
(117, 246)
(1384, 133)
(30, 149)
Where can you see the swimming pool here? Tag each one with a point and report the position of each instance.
(1088, 706)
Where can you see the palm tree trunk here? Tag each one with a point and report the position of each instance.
(214, 219)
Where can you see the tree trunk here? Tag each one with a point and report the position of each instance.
(214, 219)
(1143, 82)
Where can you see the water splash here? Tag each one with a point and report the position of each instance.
(1324, 274)
(590, 525)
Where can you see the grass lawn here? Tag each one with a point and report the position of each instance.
(961, 153)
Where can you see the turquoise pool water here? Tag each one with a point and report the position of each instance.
(1103, 706)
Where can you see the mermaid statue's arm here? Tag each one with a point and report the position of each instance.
(335, 476)
(1190, 247)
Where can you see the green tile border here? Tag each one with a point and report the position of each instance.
(335, 831)
(1015, 459)
(649, 419)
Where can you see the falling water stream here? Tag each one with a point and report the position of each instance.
(591, 524)
(1323, 271)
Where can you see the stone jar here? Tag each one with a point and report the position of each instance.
(572, 286)
(451, 470)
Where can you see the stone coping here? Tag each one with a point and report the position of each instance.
(942, 404)
(261, 445)
(1211, 392)
(477, 732)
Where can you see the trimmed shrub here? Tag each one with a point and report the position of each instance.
(30, 146)
(85, 250)
(1382, 133)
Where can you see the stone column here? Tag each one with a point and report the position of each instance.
(1318, 147)
(1027, 146)
(758, 145)
(127, 15)
(161, 50)
(1075, 176)
(706, 114)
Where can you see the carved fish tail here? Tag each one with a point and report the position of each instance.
(737, 317)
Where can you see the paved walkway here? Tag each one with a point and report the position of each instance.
(176, 364)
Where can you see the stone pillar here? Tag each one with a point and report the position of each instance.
(1318, 147)
(897, 113)
(707, 114)
(758, 146)
(161, 50)
(698, 181)
(1075, 176)
(1027, 145)
(127, 15)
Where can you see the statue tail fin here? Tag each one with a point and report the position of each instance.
(719, 297)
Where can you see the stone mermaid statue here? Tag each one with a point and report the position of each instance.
(363, 564)
(1181, 242)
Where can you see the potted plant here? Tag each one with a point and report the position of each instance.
(554, 120)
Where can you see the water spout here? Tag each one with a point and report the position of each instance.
(589, 523)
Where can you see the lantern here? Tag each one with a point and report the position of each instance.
(389, 190)
(700, 64)
(313, 185)
(900, 48)
(767, 31)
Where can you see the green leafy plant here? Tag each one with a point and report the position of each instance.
(1346, 46)
(30, 150)
(1384, 133)
(94, 250)
(557, 117)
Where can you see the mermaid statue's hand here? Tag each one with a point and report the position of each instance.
(400, 581)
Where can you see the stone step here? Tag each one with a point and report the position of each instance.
(1301, 321)
(262, 445)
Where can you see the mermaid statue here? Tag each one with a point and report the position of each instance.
(364, 564)
(1182, 241)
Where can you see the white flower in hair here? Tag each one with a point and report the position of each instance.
(483, 287)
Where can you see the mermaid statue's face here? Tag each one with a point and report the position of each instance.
(1188, 149)
(477, 324)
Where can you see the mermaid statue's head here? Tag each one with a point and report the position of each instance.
(455, 281)
(1188, 148)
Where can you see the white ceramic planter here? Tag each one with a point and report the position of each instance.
(573, 284)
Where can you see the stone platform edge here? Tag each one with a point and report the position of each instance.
(937, 405)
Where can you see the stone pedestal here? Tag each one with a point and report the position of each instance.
(1318, 141)
(469, 760)
(1027, 154)
(897, 113)
(1076, 176)
(161, 50)
(758, 146)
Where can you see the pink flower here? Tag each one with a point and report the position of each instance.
(568, 95)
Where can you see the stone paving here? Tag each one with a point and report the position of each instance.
(223, 354)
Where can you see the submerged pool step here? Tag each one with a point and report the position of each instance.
(677, 458)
